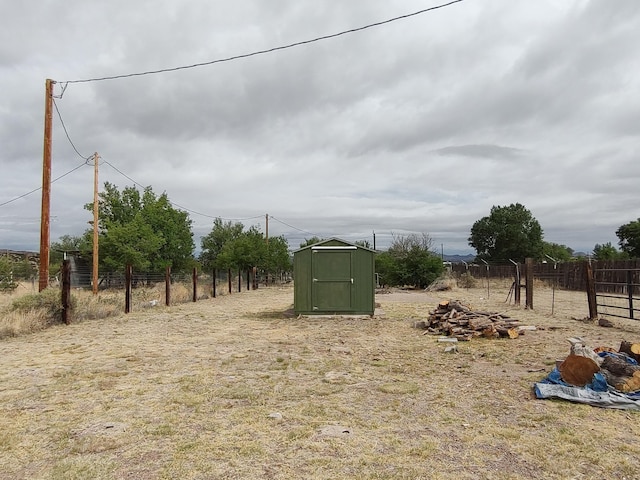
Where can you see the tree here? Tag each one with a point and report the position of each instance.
(508, 233)
(213, 243)
(66, 243)
(560, 253)
(277, 259)
(409, 261)
(629, 235)
(607, 251)
(143, 230)
(132, 243)
(310, 241)
(246, 250)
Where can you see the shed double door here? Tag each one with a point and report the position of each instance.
(333, 288)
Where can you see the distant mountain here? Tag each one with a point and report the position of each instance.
(459, 258)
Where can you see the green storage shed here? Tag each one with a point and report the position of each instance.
(334, 277)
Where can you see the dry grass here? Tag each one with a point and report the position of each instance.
(233, 387)
(26, 311)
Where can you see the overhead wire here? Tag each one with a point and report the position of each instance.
(64, 127)
(40, 188)
(66, 132)
(175, 204)
(265, 51)
(202, 64)
(291, 226)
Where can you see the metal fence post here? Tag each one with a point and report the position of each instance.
(66, 291)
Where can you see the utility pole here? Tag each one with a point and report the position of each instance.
(374, 239)
(96, 161)
(266, 227)
(45, 212)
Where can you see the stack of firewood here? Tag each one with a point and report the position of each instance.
(583, 362)
(454, 319)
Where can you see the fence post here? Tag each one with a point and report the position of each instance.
(195, 284)
(127, 288)
(630, 292)
(167, 286)
(528, 262)
(516, 284)
(229, 279)
(591, 291)
(66, 292)
(214, 282)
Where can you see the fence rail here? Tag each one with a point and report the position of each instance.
(617, 295)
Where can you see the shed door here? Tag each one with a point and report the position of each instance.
(332, 286)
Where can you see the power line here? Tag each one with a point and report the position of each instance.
(66, 132)
(175, 204)
(40, 188)
(291, 226)
(269, 50)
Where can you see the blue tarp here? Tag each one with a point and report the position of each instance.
(597, 393)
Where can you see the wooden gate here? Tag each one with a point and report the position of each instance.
(616, 292)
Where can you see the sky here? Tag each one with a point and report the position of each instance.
(418, 125)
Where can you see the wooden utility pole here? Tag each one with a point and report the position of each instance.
(266, 227)
(45, 212)
(96, 159)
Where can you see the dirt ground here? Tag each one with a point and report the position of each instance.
(238, 388)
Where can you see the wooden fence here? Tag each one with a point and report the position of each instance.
(567, 275)
(612, 287)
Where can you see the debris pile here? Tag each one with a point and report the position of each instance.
(602, 376)
(620, 369)
(454, 319)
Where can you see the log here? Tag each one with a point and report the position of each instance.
(623, 375)
(507, 332)
(578, 370)
(480, 323)
(631, 349)
(457, 320)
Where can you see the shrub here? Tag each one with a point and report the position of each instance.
(48, 301)
(466, 280)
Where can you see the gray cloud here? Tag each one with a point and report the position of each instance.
(417, 126)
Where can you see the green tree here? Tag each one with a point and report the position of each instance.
(143, 230)
(7, 279)
(277, 259)
(310, 241)
(133, 243)
(247, 250)
(629, 235)
(558, 252)
(213, 243)
(507, 233)
(66, 243)
(409, 261)
(607, 251)
(174, 226)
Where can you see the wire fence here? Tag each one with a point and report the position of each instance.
(149, 289)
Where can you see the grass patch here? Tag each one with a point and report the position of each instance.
(399, 388)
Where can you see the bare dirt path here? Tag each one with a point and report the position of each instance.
(234, 387)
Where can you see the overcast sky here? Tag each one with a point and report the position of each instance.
(419, 126)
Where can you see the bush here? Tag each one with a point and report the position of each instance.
(466, 280)
(48, 301)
